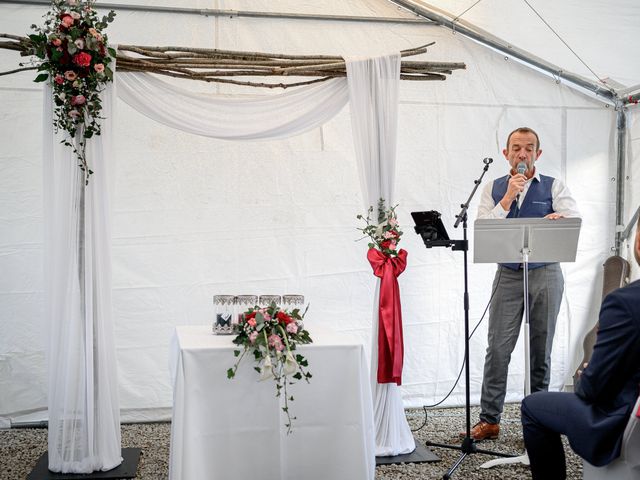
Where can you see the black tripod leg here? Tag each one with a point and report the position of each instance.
(447, 475)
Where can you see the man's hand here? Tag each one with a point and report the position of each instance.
(516, 186)
(554, 216)
(584, 365)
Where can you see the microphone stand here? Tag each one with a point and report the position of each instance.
(468, 446)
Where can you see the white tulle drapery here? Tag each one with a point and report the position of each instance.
(84, 414)
(84, 428)
(373, 99)
(234, 118)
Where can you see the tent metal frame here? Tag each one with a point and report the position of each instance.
(213, 12)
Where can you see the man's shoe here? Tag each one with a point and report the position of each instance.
(484, 431)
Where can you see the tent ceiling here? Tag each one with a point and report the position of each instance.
(603, 34)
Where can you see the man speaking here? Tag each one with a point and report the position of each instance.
(523, 193)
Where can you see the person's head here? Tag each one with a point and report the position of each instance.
(523, 145)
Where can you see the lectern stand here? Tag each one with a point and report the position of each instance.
(525, 240)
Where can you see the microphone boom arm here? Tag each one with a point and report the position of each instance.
(465, 206)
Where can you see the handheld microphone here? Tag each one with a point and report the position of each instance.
(487, 160)
(521, 168)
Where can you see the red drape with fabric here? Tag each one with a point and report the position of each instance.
(390, 344)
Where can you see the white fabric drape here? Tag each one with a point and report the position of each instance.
(84, 429)
(234, 118)
(84, 415)
(373, 99)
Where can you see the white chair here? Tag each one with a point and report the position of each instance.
(627, 465)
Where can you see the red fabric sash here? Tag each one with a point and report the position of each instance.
(390, 345)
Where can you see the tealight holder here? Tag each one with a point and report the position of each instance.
(244, 303)
(267, 300)
(291, 302)
(223, 314)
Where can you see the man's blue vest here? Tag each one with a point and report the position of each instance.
(537, 203)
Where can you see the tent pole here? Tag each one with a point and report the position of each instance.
(509, 50)
(212, 12)
(621, 131)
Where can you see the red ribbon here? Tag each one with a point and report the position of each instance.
(390, 345)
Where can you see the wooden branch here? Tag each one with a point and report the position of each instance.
(18, 70)
(216, 65)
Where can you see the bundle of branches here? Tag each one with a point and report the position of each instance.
(226, 66)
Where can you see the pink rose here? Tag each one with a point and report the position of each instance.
(56, 42)
(70, 75)
(82, 59)
(98, 67)
(74, 114)
(59, 79)
(95, 34)
(292, 328)
(75, 15)
(78, 100)
(252, 322)
(66, 20)
(276, 342)
(393, 245)
(253, 336)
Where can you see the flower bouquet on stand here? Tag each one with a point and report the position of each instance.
(272, 335)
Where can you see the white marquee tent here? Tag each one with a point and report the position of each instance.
(194, 217)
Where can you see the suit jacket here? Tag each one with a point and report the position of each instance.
(609, 384)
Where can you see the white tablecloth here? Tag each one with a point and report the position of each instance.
(234, 429)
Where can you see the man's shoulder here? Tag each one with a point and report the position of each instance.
(548, 178)
(628, 295)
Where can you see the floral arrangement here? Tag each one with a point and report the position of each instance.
(75, 58)
(385, 234)
(272, 334)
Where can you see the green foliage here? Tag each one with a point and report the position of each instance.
(74, 53)
(384, 235)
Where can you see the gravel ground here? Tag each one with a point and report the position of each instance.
(20, 448)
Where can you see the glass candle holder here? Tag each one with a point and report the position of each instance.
(267, 300)
(244, 303)
(223, 314)
(291, 302)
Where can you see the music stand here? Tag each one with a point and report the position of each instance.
(525, 240)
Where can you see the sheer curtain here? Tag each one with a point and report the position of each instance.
(373, 99)
(84, 428)
(265, 117)
(84, 414)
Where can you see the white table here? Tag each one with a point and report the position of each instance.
(234, 429)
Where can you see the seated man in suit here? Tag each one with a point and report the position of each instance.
(594, 417)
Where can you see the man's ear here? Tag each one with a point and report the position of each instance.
(538, 153)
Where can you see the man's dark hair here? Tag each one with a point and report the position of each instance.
(525, 130)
